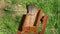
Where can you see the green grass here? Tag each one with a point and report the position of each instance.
(10, 25)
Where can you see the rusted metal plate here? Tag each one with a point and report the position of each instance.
(32, 20)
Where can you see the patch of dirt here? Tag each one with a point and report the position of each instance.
(19, 10)
(2, 6)
(2, 13)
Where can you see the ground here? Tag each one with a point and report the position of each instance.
(11, 12)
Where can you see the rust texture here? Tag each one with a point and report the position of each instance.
(31, 20)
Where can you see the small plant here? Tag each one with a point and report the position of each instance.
(9, 9)
(12, 1)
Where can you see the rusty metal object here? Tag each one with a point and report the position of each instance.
(31, 21)
(44, 22)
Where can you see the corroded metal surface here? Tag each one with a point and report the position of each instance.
(32, 20)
